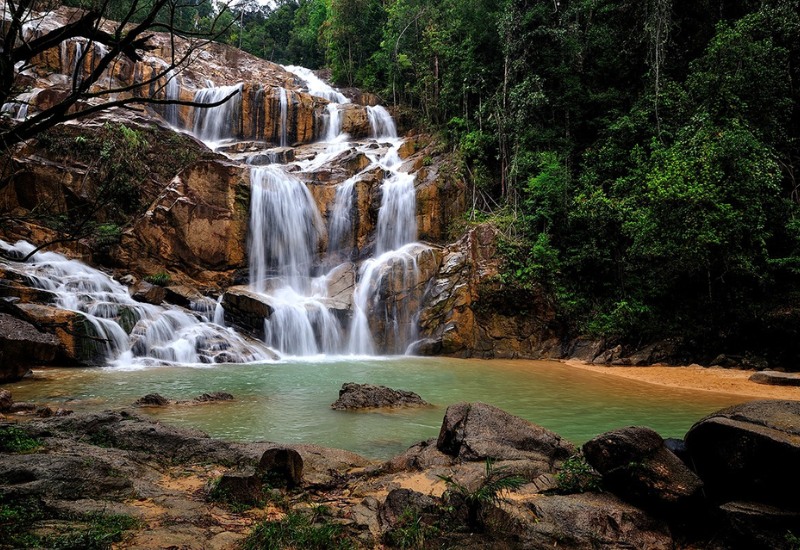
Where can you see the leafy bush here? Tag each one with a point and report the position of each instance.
(577, 476)
(14, 439)
(161, 278)
(410, 531)
(310, 531)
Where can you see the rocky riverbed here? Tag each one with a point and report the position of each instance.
(489, 480)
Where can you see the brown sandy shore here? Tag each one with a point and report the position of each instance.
(695, 377)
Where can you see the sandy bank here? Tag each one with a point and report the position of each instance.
(695, 377)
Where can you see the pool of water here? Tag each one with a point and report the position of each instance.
(289, 401)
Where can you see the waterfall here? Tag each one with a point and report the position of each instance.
(284, 102)
(128, 332)
(397, 221)
(284, 236)
(172, 92)
(381, 123)
(284, 228)
(214, 124)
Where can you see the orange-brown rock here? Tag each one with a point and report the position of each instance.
(469, 312)
(198, 224)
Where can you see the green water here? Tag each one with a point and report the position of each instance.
(289, 402)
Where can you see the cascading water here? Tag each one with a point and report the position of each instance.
(129, 332)
(284, 104)
(214, 124)
(316, 86)
(172, 93)
(381, 122)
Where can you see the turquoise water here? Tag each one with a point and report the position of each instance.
(289, 401)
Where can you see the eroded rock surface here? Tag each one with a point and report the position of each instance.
(354, 396)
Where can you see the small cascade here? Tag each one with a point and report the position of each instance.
(77, 64)
(381, 123)
(214, 124)
(284, 103)
(17, 108)
(128, 332)
(172, 92)
(340, 231)
(316, 86)
(331, 123)
(219, 312)
(397, 221)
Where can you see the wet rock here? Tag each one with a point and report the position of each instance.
(22, 345)
(746, 452)
(246, 309)
(278, 155)
(354, 396)
(213, 397)
(477, 431)
(148, 293)
(282, 465)
(775, 378)
(637, 466)
(6, 400)
(426, 347)
(77, 340)
(152, 400)
(44, 412)
(22, 407)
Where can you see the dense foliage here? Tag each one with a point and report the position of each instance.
(639, 155)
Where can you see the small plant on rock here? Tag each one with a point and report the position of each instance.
(161, 278)
(577, 476)
(410, 531)
(310, 531)
(496, 482)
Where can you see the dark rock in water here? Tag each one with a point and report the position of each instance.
(637, 466)
(591, 520)
(152, 400)
(282, 465)
(775, 378)
(148, 293)
(63, 412)
(749, 452)
(44, 412)
(367, 396)
(427, 347)
(22, 407)
(758, 526)
(239, 487)
(5, 400)
(214, 396)
(477, 431)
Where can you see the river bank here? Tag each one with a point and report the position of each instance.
(694, 377)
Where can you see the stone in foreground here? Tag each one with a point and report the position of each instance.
(749, 452)
(477, 431)
(775, 378)
(354, 396)
(637, 466)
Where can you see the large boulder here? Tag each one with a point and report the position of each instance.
(637, 466)
(477, 431)
(78, 340)
(22, 346)
(749, 452)
(367, 396)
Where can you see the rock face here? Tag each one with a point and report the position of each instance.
(366, 396)
(198, 224)
(469, 312)
(637, 466)
(744, 452)
(477, 431)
